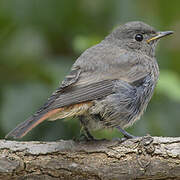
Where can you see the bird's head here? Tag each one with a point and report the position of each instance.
(137, 36)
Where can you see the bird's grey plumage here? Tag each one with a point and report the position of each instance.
(118, 76)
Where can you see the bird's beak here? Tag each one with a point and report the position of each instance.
(160, 35)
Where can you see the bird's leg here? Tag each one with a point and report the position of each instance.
(85, 131)
(126, 134)
(88, 134)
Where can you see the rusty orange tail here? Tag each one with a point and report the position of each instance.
(23, 128)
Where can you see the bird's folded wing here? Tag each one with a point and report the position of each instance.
(79, 94)
(70, 93)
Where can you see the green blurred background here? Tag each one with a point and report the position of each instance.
(40, 40)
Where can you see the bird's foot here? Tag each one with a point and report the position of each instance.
(85, 135)
(81, 137)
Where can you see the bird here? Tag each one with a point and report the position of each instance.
(109, 85)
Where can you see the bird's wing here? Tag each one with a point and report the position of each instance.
(79, 94)
(69, 93)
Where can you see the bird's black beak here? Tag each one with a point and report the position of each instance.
(160, 35)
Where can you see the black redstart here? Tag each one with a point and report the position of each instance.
(109, 85)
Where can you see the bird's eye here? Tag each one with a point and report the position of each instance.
(139, 37)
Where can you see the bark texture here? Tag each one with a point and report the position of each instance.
(141, 158)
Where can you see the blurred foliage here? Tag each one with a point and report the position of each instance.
(40, 40)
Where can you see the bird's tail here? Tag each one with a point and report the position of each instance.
(23, 128)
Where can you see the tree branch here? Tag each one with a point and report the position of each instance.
(141, 158)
